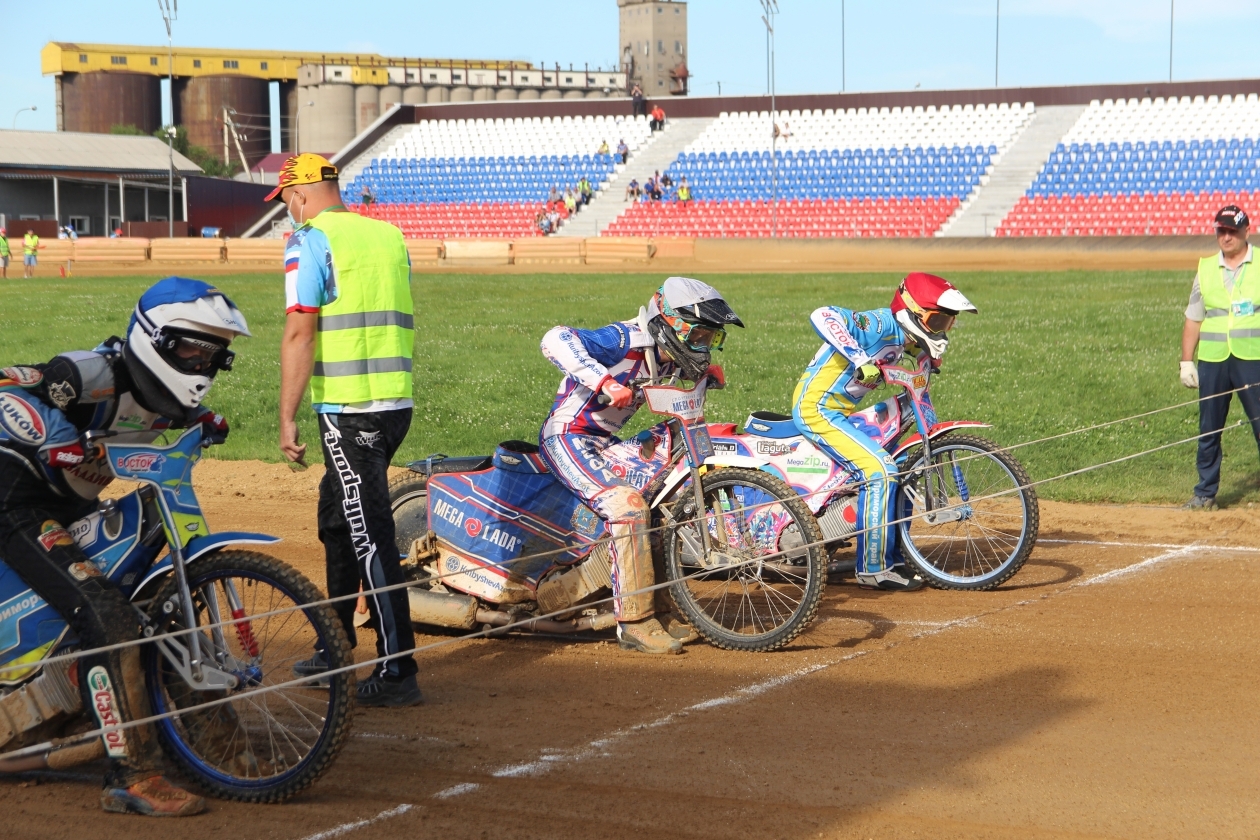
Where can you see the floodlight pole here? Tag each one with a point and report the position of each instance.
(771, 8)
(170, 14)
(843, 58)
(1172, 13)
(997, 36)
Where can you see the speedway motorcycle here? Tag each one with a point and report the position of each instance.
(968, 518)
(497, 540)
(155, 544)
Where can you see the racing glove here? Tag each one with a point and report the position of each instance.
(1189, 375)
(214, 427)
(867, 375)
(717, 379)
(64, 456)
(619, 396)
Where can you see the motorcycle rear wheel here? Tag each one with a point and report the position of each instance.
(267, 747)
(990, 542)
(409, 502)
(772, 595)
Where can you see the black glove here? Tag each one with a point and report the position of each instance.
(214, 427)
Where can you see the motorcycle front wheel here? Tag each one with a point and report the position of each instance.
(983, 520)
(268, 746)
(761, 584)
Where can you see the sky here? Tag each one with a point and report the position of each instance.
(913, 43)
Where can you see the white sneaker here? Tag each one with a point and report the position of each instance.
(894, 579)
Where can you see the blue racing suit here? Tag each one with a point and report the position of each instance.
(827, 393)
(579, 429)
(45, 485)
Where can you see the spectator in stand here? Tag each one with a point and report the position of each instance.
(367, 199)
(654, 190)
(637, 100)
(554, 219)
(554, 195)
(623, 151)
(783, 133)
(603, 148)
(4, 254)
(543, 222)
(658, 118)
(585, 191)
(570, 201)
(684, 192)
(633, 190)
(664, 180)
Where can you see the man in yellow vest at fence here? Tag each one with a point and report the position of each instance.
(348, 334)
(1223, 323)
(30, 253)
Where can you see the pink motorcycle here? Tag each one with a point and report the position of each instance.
(967, 517)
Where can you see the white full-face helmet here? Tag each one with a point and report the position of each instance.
(177, 342)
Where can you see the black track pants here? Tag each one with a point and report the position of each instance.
(356, 527)
(34, 543)
(1216, 378)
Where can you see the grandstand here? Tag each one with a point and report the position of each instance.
(840, 173)
(1145, 167)
(488, 177)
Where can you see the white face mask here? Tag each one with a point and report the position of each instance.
(289, 209)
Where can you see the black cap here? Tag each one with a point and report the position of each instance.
(1232, 216)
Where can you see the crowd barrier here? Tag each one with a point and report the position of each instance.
(678, 254)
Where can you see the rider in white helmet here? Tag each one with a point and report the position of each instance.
(678, 330)
(153, 380)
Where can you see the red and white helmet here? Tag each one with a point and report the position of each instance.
(925, 306)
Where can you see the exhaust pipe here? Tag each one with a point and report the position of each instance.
(462, 613)
(58, 758)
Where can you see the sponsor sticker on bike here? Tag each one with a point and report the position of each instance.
(27, 377)
(51, 535)
(86, 530)
(84, 570)
(774, 447)
(473, 526)
(105, 705)
(140, 462)
(584, 521)
(20, 421)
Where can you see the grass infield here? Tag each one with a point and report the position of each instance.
(1049, 352)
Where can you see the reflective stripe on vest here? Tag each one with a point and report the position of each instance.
(1223, 334)
(364, 339)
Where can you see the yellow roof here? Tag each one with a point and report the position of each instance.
(59, 57)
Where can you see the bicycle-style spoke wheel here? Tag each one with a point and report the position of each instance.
(983, 520)
(258, 746)
(760, 584)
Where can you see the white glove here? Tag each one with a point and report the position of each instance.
(1189, 375)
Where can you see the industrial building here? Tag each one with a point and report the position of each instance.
(328, 98)
(654, 45)
(93, 182)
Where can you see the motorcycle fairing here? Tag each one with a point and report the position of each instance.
(169, 469)
(29, 627)
(936, 431)
(201, 546)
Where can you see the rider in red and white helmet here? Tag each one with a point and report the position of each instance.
(925, 306)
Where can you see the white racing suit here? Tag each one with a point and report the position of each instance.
(579, 429)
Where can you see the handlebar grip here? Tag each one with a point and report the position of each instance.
(604, 399)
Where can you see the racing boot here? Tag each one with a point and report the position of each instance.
(647, 636)
(152, 797)
(893, 579)
(673, 623)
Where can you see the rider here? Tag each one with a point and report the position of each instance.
(682, 323)
(843, 372)
(154, 379)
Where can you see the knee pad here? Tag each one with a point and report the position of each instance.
(623, 504)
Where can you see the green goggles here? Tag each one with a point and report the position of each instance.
(700, 337)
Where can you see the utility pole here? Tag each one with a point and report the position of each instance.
(997, 34)
(170, 14)
(770, 9)
(1172, 12)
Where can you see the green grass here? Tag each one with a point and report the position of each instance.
(1049, 352)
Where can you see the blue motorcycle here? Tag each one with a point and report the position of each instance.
(221, 624)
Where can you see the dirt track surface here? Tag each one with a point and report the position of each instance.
(1107, 691)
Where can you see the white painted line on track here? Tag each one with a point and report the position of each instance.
(355, 826)
(466, 787)
(1145, 564)
(550, 759)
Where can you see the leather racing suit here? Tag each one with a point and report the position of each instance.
(579, 429)
(827, 393)
(45, 485)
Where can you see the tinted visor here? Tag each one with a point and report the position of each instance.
(700, 337)
(190, 352)
(938, 322)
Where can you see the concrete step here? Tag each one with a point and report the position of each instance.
(661, 151)
(351, 170)
(1014, 173)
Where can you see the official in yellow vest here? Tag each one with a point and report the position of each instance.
(1222, 331)
(30, 253)
(348, 335)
